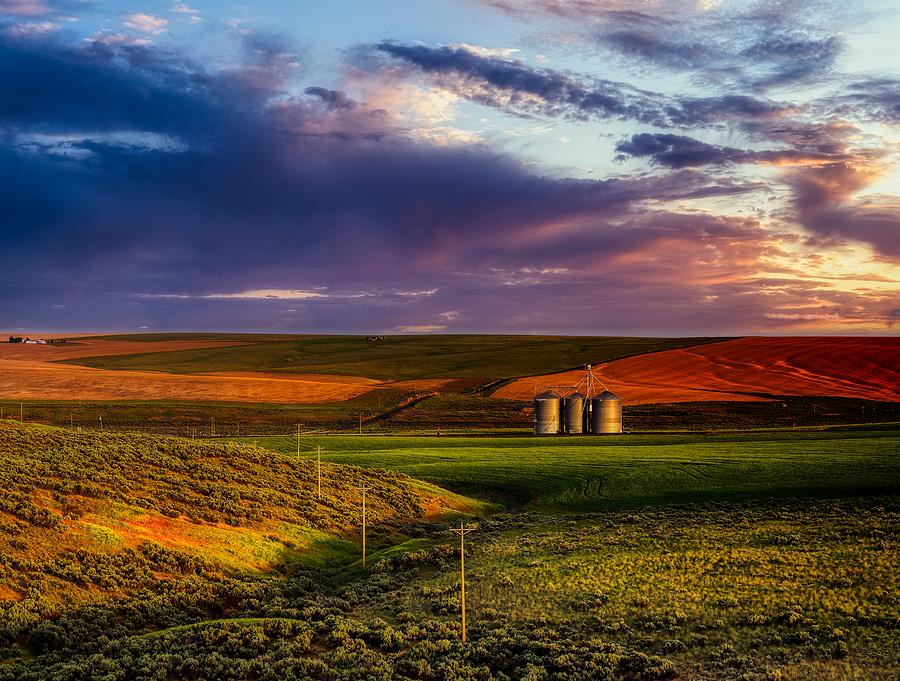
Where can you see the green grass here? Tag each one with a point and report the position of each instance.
(475, 357)
(187, 419)
(583, 474)
(736, 556)
(233, 506)
(804, 587)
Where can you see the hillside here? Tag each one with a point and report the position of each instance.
(290, 370)
(746, 369)
(81, 513)
(132, 557)
(390, 358)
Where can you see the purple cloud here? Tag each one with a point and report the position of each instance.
(825, 204)
(680, 151)
(518, 88)
(164, 194)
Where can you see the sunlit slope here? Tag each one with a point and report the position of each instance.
(40, 372)
(72, 503)
(746, 369)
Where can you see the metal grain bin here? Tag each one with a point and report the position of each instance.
(547, 413)
(574, 412)
(606, 414)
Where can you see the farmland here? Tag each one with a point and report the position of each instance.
(740, 531)
(760, 590)
(391, 358)
(580, 474)
(755, 556)
(179, 384)
(747, 369)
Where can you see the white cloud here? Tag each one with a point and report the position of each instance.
(269, 294)
(420, 328)
(32, 29)
(416, 294)
(295, 294)
(145, 23)
(104, 37)
(805, 317)
(480, 51)
(24, 8)
(187, 13)
(166, 296)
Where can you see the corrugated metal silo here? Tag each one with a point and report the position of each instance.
(606, 414)
(547, 413)
(574, 412)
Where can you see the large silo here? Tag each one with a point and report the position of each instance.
(547, 413)
(606, 414)
(574, 413)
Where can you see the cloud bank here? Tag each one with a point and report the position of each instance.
(143, 188)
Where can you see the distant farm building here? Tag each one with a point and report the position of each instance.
(27, 341)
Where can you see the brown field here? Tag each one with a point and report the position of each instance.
(29, 372)
(743, 370)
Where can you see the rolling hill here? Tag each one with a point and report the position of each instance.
(745, 369)
(82, 513)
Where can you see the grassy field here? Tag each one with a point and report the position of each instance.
(755, 557)
(475, 357)
(459, 413)
(771, 589)
(583, 474)
(203, 419)
(455, 413)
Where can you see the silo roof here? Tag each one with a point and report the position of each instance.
(607, 395)
(547, 395)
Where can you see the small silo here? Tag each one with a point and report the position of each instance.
(574, 413)
(547, 413)
(606, 414)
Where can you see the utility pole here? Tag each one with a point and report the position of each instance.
(212, 426)
(21, 412)
(319, 469)
(298, 439)
(360, 423)
(101, 424)
(71, 422)
(363, 487)
(462, 531)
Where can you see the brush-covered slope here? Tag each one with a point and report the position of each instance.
(86, 512)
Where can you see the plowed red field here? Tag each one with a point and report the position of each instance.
(739, 370)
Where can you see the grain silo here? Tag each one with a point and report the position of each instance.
(606, 414)
(547, 413)
(574, 413)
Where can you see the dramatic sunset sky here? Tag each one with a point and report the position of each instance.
(645, 167)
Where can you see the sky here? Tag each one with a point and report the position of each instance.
(600, 167)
